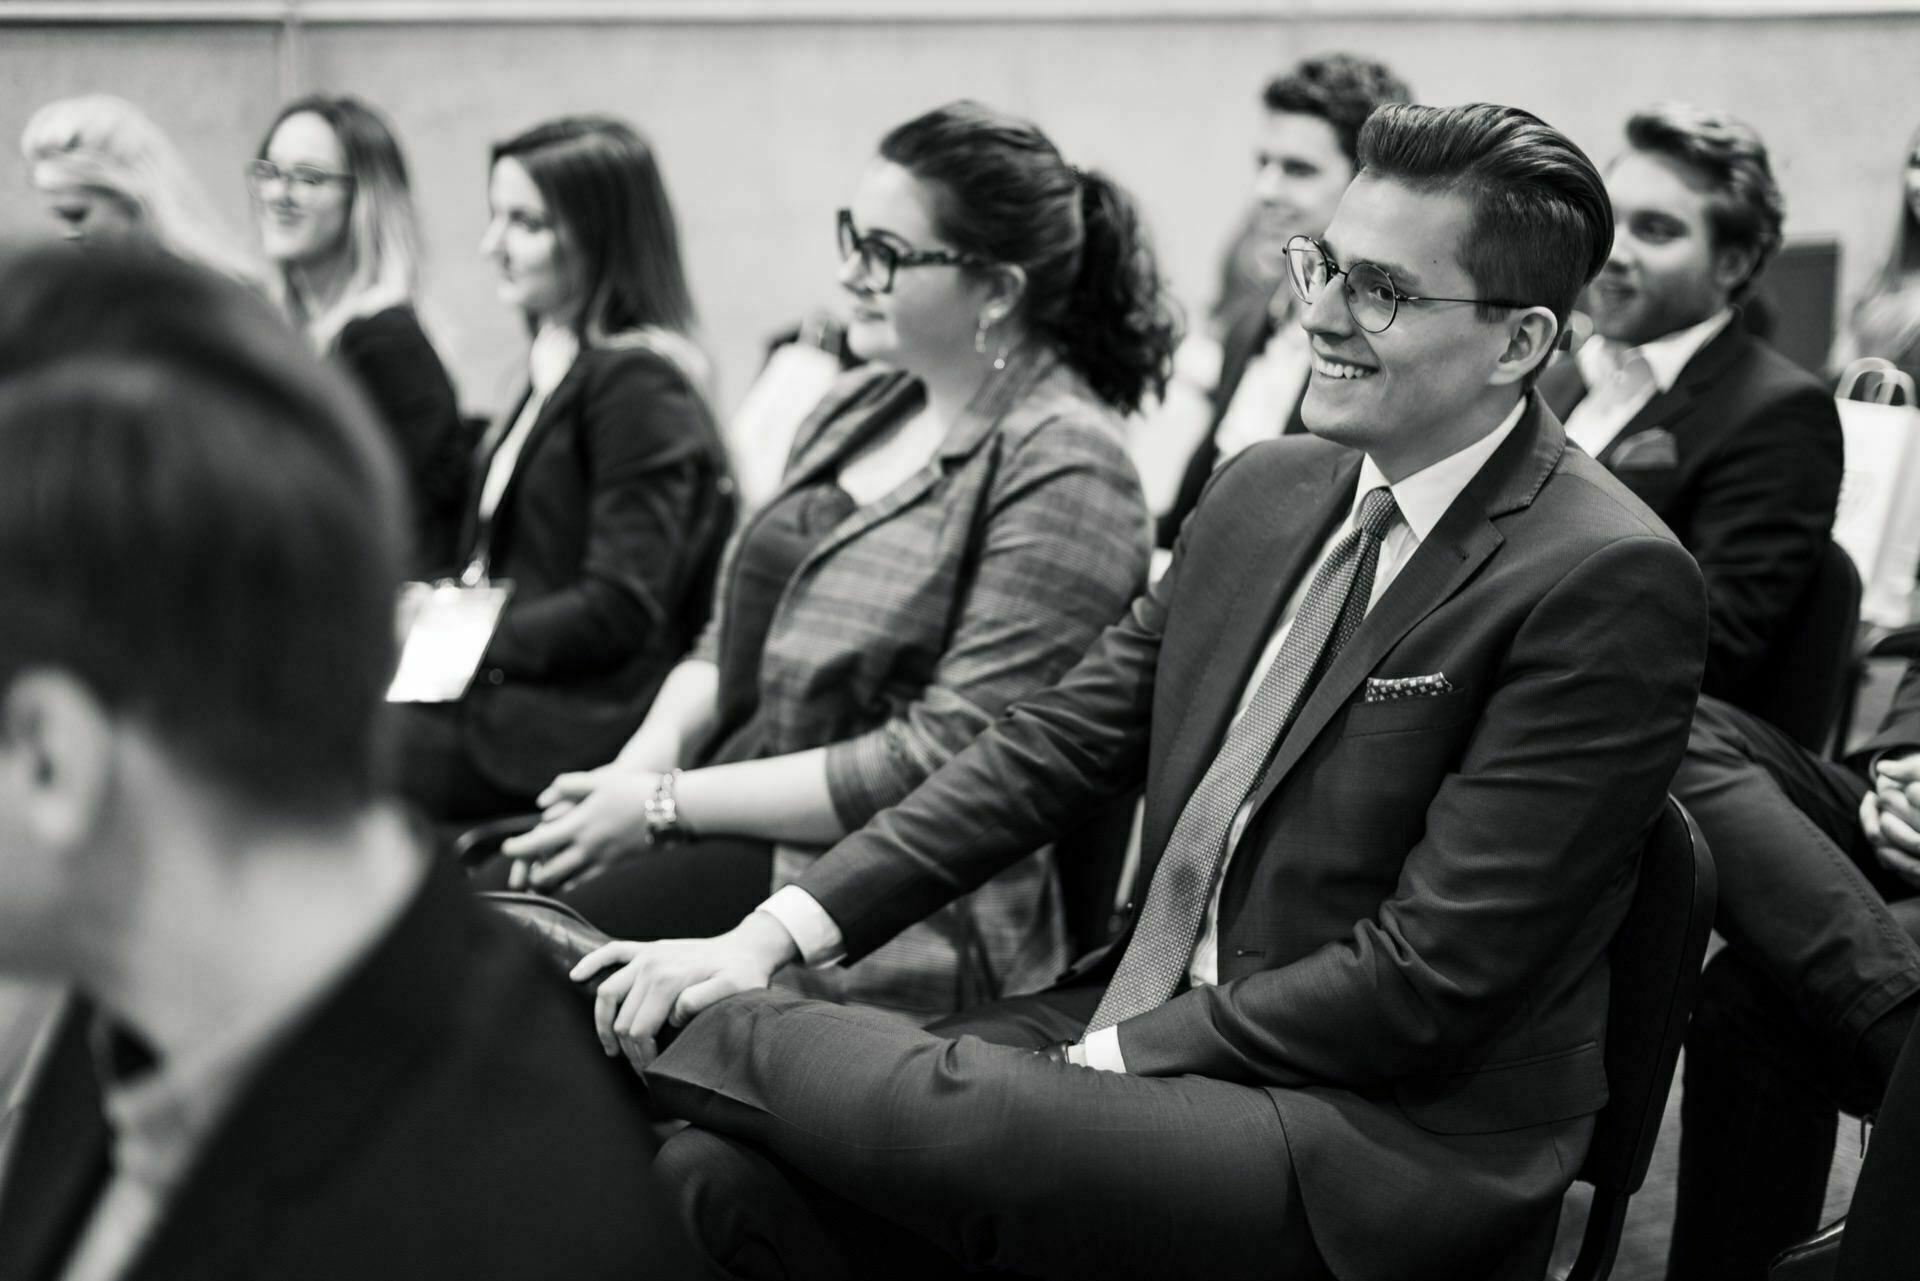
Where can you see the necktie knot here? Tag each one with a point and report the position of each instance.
(1377, 511)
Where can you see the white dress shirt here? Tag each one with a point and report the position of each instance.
(1267, 391)
(1422, 499)
(1622, 380)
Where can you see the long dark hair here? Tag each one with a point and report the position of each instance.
(603, 188)
(1003, 192)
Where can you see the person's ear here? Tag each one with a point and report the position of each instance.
(57, 745)
(1732, 264)
(1004, 286)
(1531, 334)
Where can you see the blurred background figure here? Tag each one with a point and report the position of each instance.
(958, 523)
(337, 224)
(1885, 322)
(294, 1046)
(1251, 364)
(106, 174)
(602, 495)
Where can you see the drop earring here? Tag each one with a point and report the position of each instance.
(980, 343)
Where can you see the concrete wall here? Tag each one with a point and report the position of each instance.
(763, 126)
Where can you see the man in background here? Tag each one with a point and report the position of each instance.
(292, 1049)
(1254, 375)
(1732, 445)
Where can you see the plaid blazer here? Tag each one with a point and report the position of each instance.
(923, 615)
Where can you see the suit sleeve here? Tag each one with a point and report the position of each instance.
(401, 374)
(1060, 548)
(645, 432)
(1543, 819)
(1759, 527)
(1900, 730)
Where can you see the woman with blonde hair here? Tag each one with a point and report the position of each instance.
(1886, 321)
(104, 172)
(337, 222)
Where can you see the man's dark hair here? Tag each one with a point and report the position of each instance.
(1339, 88)
(1745, 209)
(197, 521)
(1542, 225)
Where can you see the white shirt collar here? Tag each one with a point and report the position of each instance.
(1666, 356)
(1423, 498)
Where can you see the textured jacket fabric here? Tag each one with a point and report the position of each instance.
(929, 611)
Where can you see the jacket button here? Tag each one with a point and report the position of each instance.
(495, 676)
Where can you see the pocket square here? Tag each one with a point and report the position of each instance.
(1647, 450)
(1385, 689)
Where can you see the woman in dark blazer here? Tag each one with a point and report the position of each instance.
(338, 227)
(957, 523)
(603, 495)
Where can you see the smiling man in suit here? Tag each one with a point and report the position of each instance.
(1733, 446)
(293, 1048)
(1405, 706)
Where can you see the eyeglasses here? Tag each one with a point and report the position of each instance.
(1372, 298)
(880, 260)
(301, 182)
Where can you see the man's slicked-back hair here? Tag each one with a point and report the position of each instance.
(1745, 209)
(1542, 226)
(197, 521)
(1339, 88)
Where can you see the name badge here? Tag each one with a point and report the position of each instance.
(444, 628)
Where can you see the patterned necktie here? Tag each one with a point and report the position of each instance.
(1163, 942)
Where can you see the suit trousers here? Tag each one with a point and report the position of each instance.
(1814, 955)
(833, 1142)
(1883, 1232)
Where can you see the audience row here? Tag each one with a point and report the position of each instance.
(1403, 707)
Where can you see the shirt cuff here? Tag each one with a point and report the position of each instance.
(1103, 1050)
(814, 932)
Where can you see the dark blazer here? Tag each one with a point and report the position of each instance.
(1413, 931)
(610, 531)
(444, 1112)
(1749, 486)
(1246, 337)
(389, 356)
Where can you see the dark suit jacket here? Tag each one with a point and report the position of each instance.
(1750, 488)
(389, 356)
(445, 1112)
(611, 531)
(1413, 931)
(1246, 337)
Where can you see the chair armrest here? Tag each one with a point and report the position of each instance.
(478, 844)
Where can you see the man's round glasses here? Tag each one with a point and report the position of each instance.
(301, 182)
(1372, 298)
(879, 260)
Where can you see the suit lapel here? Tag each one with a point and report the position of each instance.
(1443, 563)
(58, 1167)
(1283, 540)
(1671, 407)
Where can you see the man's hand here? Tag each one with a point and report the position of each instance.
(588, 821)
(1890, 815)
(677, 979)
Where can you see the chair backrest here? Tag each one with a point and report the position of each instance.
(1806, 676)
(1655, 960)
